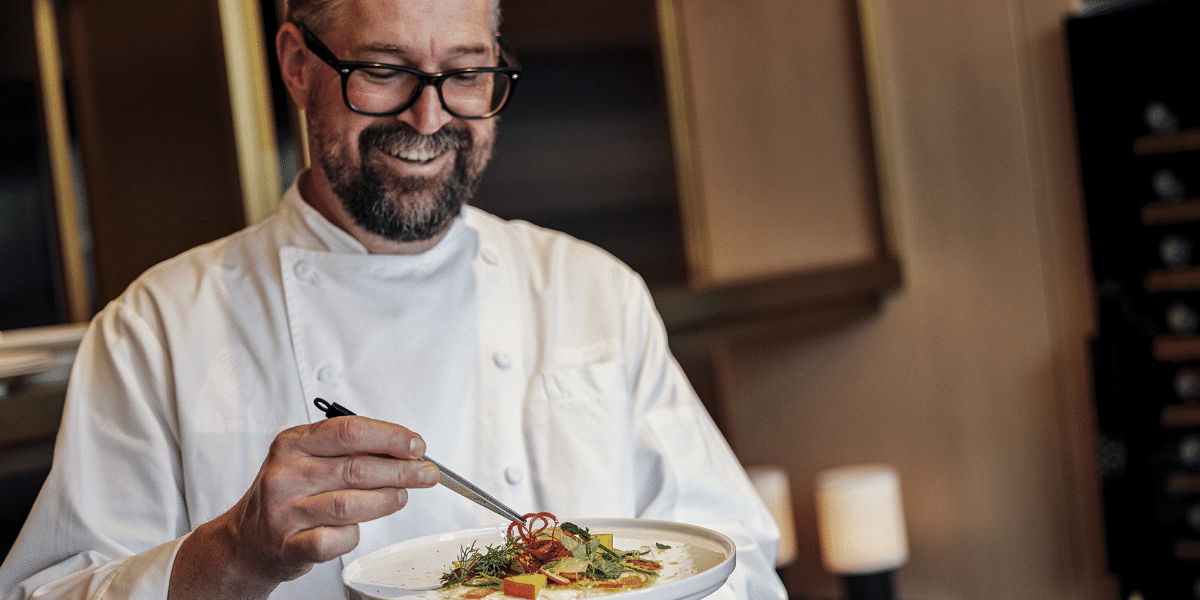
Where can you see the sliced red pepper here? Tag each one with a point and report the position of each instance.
(556, 578)
(651, 566)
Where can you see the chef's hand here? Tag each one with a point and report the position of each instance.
(318, 482)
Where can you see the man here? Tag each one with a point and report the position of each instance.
(191, 462)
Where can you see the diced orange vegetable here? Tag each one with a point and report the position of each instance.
(524, 586)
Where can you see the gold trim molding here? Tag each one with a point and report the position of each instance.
(58, 142)
(250, 99)
(697, 250)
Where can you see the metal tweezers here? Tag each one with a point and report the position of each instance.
(450, 479)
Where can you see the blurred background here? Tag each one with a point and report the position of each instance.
(866, 225)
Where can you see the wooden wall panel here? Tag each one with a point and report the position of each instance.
(575, 25)
(155, 129)
(777, 170)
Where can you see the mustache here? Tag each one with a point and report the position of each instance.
(393, 138)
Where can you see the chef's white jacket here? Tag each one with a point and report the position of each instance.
(531, 363)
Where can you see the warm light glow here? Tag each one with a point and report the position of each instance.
(860, 519)
(776, 492)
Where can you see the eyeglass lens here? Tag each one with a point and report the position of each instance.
(378, 90)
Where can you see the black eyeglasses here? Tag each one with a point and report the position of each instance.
(382, 90)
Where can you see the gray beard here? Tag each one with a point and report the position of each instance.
(388, 205)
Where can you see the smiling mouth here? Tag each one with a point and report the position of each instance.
(422, 156)
(402, 143)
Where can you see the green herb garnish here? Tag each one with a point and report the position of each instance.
(492, 564)
(575, 530)
(604, 568)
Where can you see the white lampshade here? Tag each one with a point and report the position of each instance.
(773, 487)
(860, 519)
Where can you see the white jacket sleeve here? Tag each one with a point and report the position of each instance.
(110, 516)
(695, 476)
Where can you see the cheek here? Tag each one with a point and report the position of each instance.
(483, 137)
(324, 90)
(333, 129)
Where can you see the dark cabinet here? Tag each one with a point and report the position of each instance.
(1137, 102)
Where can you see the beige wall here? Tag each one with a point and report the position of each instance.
(973, 378)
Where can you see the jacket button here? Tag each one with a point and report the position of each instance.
(514, 474)
(305, 272)
(502, 359)
(327, 374)
(489, 256)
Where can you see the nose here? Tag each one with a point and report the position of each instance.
(426, 115)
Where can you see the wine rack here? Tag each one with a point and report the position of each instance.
(1135, 73)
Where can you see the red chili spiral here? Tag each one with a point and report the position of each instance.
(533, 552)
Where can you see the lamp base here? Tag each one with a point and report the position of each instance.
(869, 586)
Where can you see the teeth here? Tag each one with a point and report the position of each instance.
(418, 155)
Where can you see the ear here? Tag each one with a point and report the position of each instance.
(293, 63)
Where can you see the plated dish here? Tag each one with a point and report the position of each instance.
(697, 562)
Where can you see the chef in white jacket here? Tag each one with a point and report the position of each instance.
(192, 463)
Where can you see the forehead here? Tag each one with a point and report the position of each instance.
(416, 21)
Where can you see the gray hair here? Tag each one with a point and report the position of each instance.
(318, 15)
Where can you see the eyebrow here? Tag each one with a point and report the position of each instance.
(404, 51)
